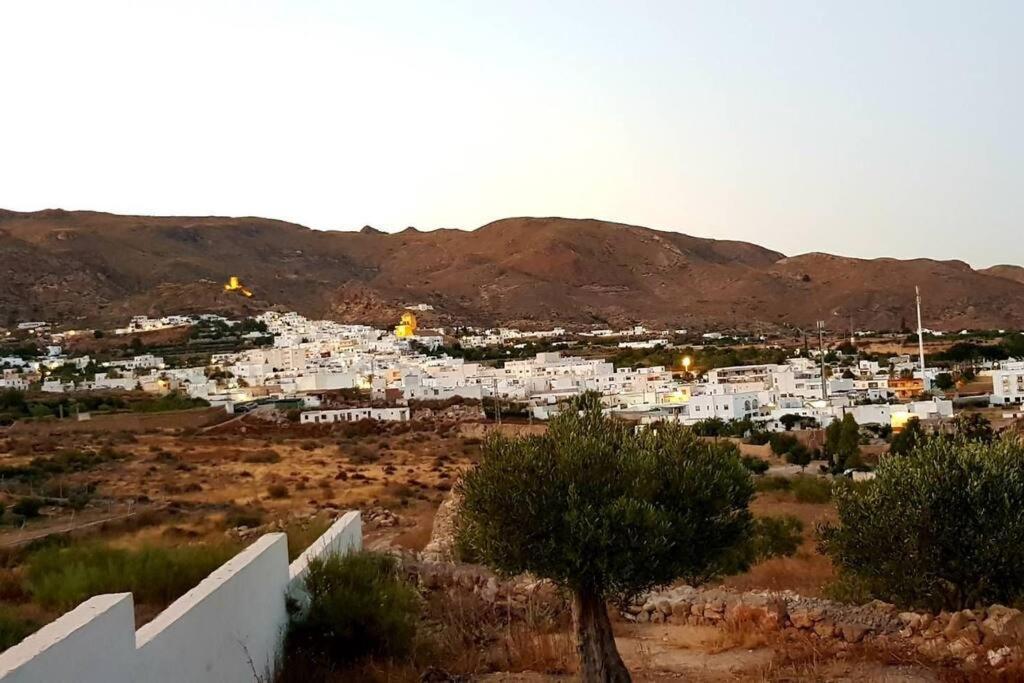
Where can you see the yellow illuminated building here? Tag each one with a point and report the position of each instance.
(407, 327)
(678, 395)
(235, 285)
(898, 419)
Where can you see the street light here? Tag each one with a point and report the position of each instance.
(686, 363)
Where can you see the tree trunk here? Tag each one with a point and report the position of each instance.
(599, 658)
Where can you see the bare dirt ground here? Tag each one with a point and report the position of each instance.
(668, 652)
(277, 471)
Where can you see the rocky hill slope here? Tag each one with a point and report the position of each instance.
(85, 267)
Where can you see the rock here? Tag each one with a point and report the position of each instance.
(806, 618)
(961, 648)
(665, 607)
(681, 609)
(643, 617)
(489, 592)
(825, 629)
(998, 658)
(880, 606)
(1002, 626)
(852, 633)
(957, 622)
(716, 607)
(972, 633)
(911, 620)
(657, 617)
(696, 609)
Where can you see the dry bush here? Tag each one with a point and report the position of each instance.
(471, 635)
(262, 456)
(277, 491)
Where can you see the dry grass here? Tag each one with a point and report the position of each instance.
(743, 629)
(808, 571)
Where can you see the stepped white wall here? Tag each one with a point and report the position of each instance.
(227, 629)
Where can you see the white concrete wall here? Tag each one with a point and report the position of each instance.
(92, 643)
(227, 629)
(344, 536)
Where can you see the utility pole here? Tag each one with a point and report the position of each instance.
(920, 339)
(821, 356)
(497, 403)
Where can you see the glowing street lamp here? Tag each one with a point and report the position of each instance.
(686, 363)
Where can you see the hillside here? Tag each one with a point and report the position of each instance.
(85, 267)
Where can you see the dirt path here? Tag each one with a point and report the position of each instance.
(23, 536)
(666, 652)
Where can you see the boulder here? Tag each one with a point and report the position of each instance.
(1002, 626)
(801, 618)
(851, 632)
(998, 658)
(912, 620)
(825, 629)
(972, 633)
(957, 622)
(961, 648)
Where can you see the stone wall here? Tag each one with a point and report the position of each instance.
(441, 546)
(993, 635)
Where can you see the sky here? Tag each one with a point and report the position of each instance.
(861, 128)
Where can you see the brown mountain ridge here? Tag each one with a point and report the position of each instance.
(83, 267)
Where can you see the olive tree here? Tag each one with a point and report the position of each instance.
(939, 526)
(607, 512)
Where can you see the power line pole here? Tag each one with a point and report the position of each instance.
(497, 403)
(821, 356)
(920, 339)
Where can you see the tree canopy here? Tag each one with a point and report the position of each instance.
(606, 511)
(940, 526)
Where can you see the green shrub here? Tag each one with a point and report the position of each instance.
(777, 536)
(940, 526)
(754, 464)
(248, 517)
(812, 489)
(770, 537)
(359, 607)
(782, 442)
(62, 577)
(772, 484)
(28, 507)
(799, 454)
(302, 534)
(13, 627)
(171, 401)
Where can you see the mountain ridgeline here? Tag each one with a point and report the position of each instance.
(89, 268)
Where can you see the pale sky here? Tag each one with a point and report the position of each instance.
(861, 128)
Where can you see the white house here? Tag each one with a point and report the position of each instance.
(1008, 384)
(354, 415)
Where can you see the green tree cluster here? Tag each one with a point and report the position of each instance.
(842, 443)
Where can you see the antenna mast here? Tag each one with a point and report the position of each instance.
(920, 338)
